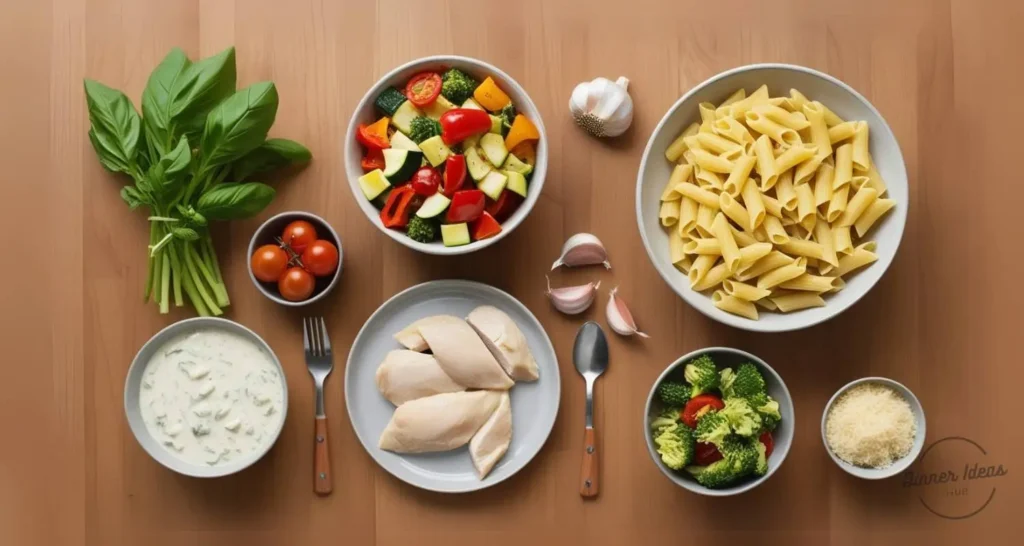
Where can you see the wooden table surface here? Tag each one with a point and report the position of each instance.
(945, 320)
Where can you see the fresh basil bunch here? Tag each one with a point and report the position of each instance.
(191, 155)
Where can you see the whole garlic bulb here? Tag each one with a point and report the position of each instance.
(602, 107)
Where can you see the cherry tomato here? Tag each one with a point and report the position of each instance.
(768, 441)
(425, 181)
(268, 263)
(695, 407)
(296, 284)
(320, 258)
(298, 235)
(706, 454)
(423, 88)
(454, 174)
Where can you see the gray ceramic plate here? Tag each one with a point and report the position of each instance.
(534, 405)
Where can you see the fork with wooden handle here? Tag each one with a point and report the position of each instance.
(320, 362)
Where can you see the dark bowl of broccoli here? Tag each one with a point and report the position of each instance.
(718, 421)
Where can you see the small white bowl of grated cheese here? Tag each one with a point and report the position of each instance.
(873, 428)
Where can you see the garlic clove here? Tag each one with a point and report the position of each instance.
(582, 249)
(602, 107)
(619, 317)
(572, 300)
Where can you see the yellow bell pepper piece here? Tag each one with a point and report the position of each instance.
(490, 96)
(526, 152)
(522, 130)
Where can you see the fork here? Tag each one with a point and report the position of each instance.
(320, 363)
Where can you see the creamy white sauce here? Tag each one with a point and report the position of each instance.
(211, 397)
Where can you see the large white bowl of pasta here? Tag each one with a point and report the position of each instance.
(772, 197)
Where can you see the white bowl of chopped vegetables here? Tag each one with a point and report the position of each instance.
(446, 154)
(719, 421)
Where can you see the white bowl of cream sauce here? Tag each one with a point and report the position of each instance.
(206, 397)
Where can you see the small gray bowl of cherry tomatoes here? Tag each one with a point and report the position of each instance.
(295, 258)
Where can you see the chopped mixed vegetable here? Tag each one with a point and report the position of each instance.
(717, 425)
(450, 158)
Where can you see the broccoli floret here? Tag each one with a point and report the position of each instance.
(748, 381)
(712, 428)
(422, 230)
(508, 115)
(741, 416)
(457, 86)
(725, 380)
(702, 375)
(762, 460)
(676, 446)
(674, 394)
(715, 475)
(422, 128)
(742, 452)
(668, 416)
(768, 408)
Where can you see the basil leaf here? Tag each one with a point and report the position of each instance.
(158, 97)
(132, 196)
(201, 87)
(234, 201)
(166, 178)
(272, 154)
(238, 125)
(115, 127)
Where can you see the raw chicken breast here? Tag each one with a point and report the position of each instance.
(491, 442)
(506, 341)
(462, 354)
(410, 337)
(407, 375)
(438, 423)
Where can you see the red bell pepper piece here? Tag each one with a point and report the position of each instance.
(454, 174)
(395, 213)
(459, 123)
(485, 226)
(769, 443)
(466, 206)
(374, 135)
(506, 204)
(374, 159)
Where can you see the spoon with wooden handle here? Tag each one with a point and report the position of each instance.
(590, 355)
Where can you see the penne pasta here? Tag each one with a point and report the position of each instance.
(806, 170)
(863, 199)
(767, 304)
(707, 113)
(837, 205)
(717, 144)
(842, 241)
(776, 232)
(797, 99)
(733, 209)
(700, 195)
(705, 215)
(807, 213)
(754, 203)
(730, 251)
(687, 215)
(793, 120)
(684, 265)
(772, 261)
(678, 146)
(831, 119)
(734, 305)
(861, 256)
(803, 247)
(771, 205)
(810, 283)
(841, 132)
(782, 274)
(861, 157)
(794, 302)
(669, 213)
(708, 179)
(752, 253)
(815, 113)
(766, 166)
(736, 96)
(785, 192)
(733, 130)
(680, 174)
(701, 265)
(823, 184)
(793, 156)
(675, 247)
(743, 291)
(742, 237)
(711, 162)
(713, 278)
(825, 237)
(738, 175)
(875, 180)
(871, 215)
(777, 132)
(703, 246)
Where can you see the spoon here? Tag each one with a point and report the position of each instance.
(590, 354)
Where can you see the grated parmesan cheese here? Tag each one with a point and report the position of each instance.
(871, 425)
